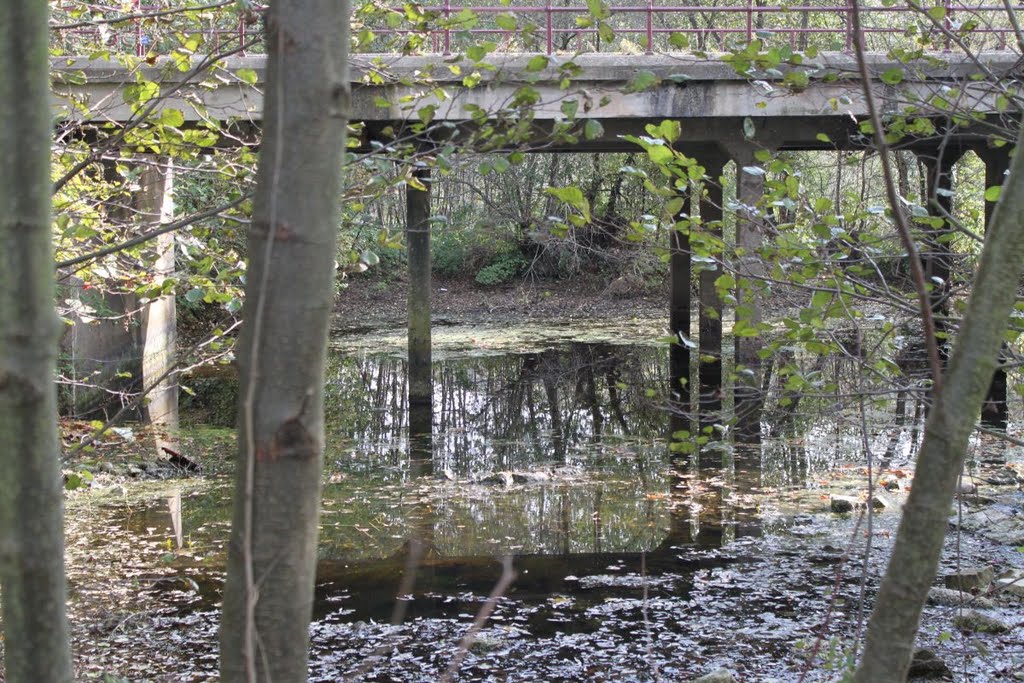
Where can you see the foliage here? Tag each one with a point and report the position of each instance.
(503, 270)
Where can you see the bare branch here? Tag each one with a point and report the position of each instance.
(156, 232)
(139, 15)
(902, 227)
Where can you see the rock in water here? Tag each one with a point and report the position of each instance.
(843, 503)
(976, 622)
(722, 675)
(926, 666)
(954, 598)
(970, 579)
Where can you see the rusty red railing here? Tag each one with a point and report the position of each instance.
(445, 27)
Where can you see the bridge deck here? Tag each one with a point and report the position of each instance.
(706, 93)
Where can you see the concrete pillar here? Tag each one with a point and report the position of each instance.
(749, 270)
(155, 205)
(936, 258)
(995, 411)
(101, 348)
(710, 305)
(679, 308)
(421, 390)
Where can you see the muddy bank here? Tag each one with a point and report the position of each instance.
(375, 302)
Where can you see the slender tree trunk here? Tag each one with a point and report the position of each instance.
(268, 597)
(918, 545)
(31, 515)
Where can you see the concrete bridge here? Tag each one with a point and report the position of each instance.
(706, 94)
(724, 117)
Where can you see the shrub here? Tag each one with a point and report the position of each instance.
(503, 269)
(450, 255)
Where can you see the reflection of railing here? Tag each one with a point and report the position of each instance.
(447, 26)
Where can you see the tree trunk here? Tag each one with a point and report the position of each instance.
(918, 545)
(31, 515)
(268, 597)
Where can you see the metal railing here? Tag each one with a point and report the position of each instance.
(448, 27)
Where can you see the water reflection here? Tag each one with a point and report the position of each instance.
(587, 465)
(501, 412)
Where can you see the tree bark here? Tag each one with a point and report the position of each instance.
(31, 515)
(268, 597)
(915, 555)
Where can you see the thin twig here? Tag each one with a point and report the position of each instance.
(127, 408)
(865, 569)
(655, 669)
(156, 232)
(508, 575)
(142, 115)
(902, 227)
(139, 15)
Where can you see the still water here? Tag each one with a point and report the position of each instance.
(628, 560)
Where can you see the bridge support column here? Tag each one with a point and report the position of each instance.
(710, 305)
(748, 398)
(155, 205)
(936, 258)
(995, 412)
(103, 344)
(421, 390)
(680, 273)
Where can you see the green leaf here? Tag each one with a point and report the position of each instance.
(537, 63)
(247, 76)
(660, 154)
(569, 108)
(506, 22)
(598, 9)
(821, 298)
(573, 196)
(670, 129)
(993, 193)
(643, 80)
(748, 128)
(725, 281)
(592, 129)
(172, 118)
(937, 13)
(892, 76)
(679, 41)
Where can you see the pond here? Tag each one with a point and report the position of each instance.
(547, 466)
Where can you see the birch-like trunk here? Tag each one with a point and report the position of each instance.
(268, 598)
(915, 554)
(31, 517)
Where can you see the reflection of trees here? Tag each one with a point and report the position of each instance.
(502, 412)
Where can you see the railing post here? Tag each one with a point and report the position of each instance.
(849, 26)
(650, 27)
(948, 22)
(750, 21)
(241, 31)
(447, 30)
(137, 7)
(550, 37)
